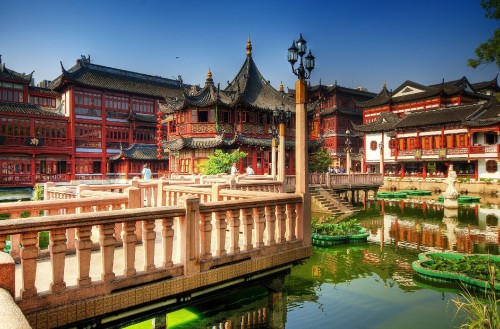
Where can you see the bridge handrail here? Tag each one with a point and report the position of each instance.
(269, 225)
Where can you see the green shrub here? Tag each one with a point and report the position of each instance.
(38, 192)
(486, 180)
(220, 162)
(349, 227)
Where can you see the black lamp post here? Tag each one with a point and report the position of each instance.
(298, 49)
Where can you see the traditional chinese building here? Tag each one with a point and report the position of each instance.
(417, 131)
(35, 141)
(112, 115)
(239, 116)
(336, 110)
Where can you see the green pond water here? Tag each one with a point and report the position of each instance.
(368, 285)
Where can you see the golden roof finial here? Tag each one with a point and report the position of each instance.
(209, 80)
(385, 85)
(281, 87)
(249, 47)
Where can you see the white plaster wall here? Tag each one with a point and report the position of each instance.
(66, 99)
(372, 155)
(482, 170)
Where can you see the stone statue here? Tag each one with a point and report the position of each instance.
(451, 194)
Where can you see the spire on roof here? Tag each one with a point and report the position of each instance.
(209, 80)
(249, 47)
(281, 87)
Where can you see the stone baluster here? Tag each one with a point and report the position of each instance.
(281, 219)
(149, 244)
(206, 235)
(15, 238)
(247, 219)
(271, 224)
(233, 218)
(162, 195)
(260, 225)
(189, 235)
(291, 216)
(129, 241)
(29, 253)
(134, 201)
(148, 196)
(102, 207)
(57, 248)
(167, 234)
(70, 232)
(170, 198)
(118, 226)
(107, 241)
(83, 254)
(220, 226)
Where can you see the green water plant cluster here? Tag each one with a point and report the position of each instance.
(479, 312)
(473, 266)
(349, 227)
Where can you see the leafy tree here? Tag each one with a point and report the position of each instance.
(220, 162)
(489, 51)
(319, 161)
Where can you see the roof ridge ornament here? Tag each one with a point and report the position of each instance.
(209, 80)
(249, 47)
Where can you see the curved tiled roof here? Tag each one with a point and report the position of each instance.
(486, 115)
(455, 114)
(139, 152)
(449, 88)
(8, 74)
(384, 122)
(253, 90)
(193, 143)
(142, 117)
(486, 84)
(44, 91)
(101, 77)
(29, 109)
(383, 97)
(219, 141)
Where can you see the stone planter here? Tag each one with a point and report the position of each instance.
(448, 276)
(328, 241)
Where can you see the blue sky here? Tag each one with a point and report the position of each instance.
(356, 43)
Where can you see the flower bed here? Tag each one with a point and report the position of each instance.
(470, 270)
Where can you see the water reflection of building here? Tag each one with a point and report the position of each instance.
(424, 226)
